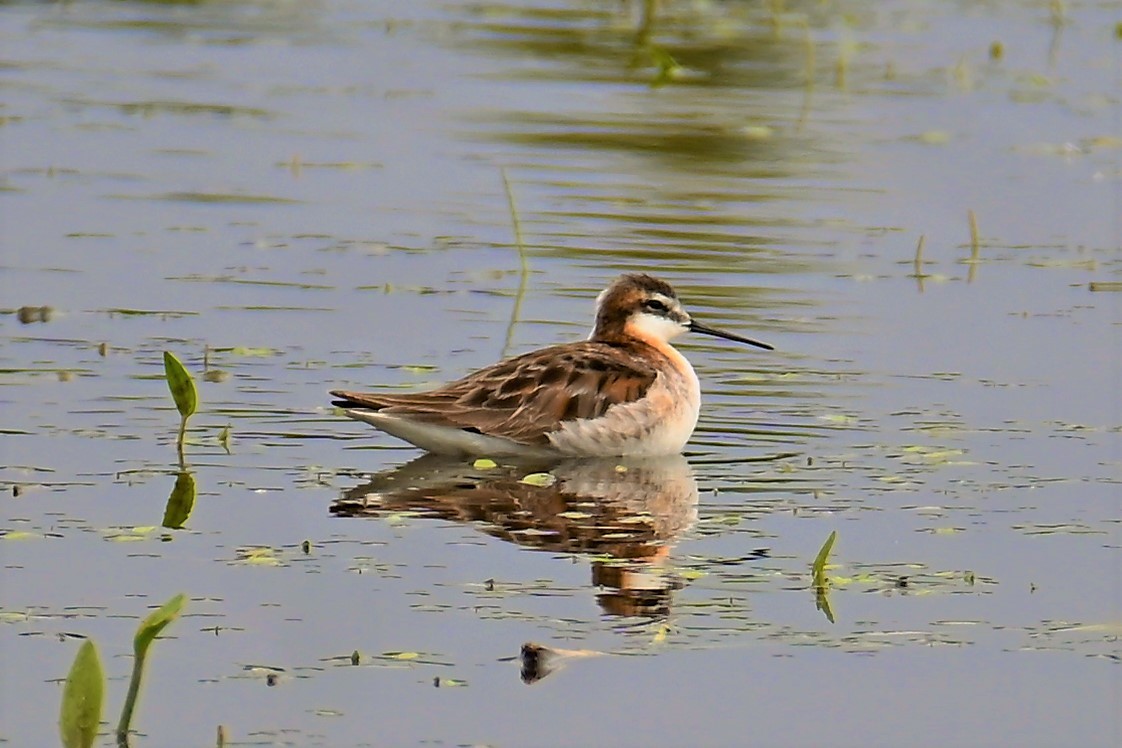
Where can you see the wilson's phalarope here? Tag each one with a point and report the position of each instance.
(624, 391)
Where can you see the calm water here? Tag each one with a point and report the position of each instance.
(310, 195)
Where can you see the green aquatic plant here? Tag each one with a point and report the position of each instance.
(83, 695)
(82, 699)
(146, 633)
(818, 568)
(224, 438)
(821, 581)
(667, 69)
(183, 392)
(180, 502)
(917, 262)
(975, 246)
(523, 262)
(541, 480)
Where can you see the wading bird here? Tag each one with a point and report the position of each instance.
(625, 391)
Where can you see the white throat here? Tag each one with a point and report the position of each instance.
(653, 326)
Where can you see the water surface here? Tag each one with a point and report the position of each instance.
(299, 197)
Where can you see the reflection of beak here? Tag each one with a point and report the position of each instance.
(535, 662)
(539, 661)
(695, 326)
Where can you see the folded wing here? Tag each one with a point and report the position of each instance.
(526, 397)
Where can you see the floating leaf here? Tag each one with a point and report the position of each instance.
(181, 384)
(258, 556)
(484, 464)
(141, 312)
(220, 197)
(1103, 141)
(19, 535)
(542, 480)
(250, 352)
(757, 132)
(934, 137)
(180, 502)
(81, 699)
(128, 534)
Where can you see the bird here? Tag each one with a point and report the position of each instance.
(625, 391)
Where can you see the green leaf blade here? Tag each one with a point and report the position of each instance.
(180, 502)
(82, 698)
(819, 566)
(181, 384)
(148, 630)
(156, 622)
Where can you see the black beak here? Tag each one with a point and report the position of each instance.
(705, 329)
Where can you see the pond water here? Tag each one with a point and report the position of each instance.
(294, 197)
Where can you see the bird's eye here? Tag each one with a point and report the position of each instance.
(654, 305)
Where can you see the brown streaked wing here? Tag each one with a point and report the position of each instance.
(526, 397)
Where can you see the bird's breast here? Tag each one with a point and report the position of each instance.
(658, 423)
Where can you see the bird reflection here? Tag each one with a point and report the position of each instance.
(629, 510)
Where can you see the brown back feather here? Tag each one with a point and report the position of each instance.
(524, 398)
